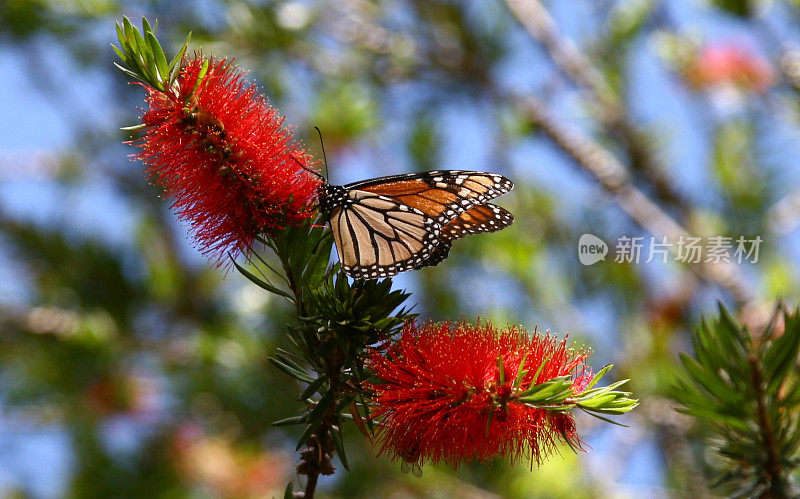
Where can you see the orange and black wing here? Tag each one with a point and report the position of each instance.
(391, 224)
(441, 195)
(482, 218)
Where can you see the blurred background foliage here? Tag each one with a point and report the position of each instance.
(129, 367)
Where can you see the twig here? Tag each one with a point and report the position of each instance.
(614, 177)
(614, 117)
(772, 464)
(538, 23)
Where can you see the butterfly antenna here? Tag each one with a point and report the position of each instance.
(304, 167)
(322, 145)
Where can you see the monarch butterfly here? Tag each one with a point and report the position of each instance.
(388, 225)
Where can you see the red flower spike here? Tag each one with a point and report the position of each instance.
(223, 157)
(440, 396)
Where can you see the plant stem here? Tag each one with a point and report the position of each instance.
(311, 486)
(316, 458)
(777, 486)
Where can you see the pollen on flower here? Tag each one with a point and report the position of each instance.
(441, 396)
(224, 158)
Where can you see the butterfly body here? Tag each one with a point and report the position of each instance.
(392, 224)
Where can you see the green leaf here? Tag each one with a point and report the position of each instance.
(704, 377)
(500, 371)
(546, 389)
(540, 368)
(313, 387)
(122, 56)
(158, 56)
(551, 407)
(120, 35)
(337, 438)
(551, 387)
(597, 401)
(597, 376)
(305, 436)
(321, 409)
(715, 417)
(521, 372)
(782, 354)
(295, 373)
(180, 53)
(288, 359)
(791, 397)
(603, 418)
(317, 264)
(127, 71)
(146, 25)
(201, 75)
(142, 56)
(261, 283)
(290, 421)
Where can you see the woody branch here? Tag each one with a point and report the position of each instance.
(614, 117)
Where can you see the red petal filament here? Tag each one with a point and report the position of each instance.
(440, 396)
(223, 157)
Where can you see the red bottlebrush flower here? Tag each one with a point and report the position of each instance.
(729, 65)
(221, 154)
(440, 397)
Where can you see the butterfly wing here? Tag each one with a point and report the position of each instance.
(441, 195)
(388, 225)
(377, 236)
(482, 218)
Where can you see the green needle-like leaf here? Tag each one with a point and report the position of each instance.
(337, 438)
(142, 56)
(501, 373)
(291, 371)
(749, 389)
(521, 372)
(597, 376)
(313, 387)
(291, 421)
(262, 284)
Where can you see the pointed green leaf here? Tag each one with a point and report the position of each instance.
(158, 56)
(500, 370)
(291, 371)
(544, 362)
(603, 418)
(337, 438)
(521, 372)
(179, 54)
(290, 421)
(128, 72)
(262, 284)
(597, 376)
(305, 436)
(782, 354)
(312, 388)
